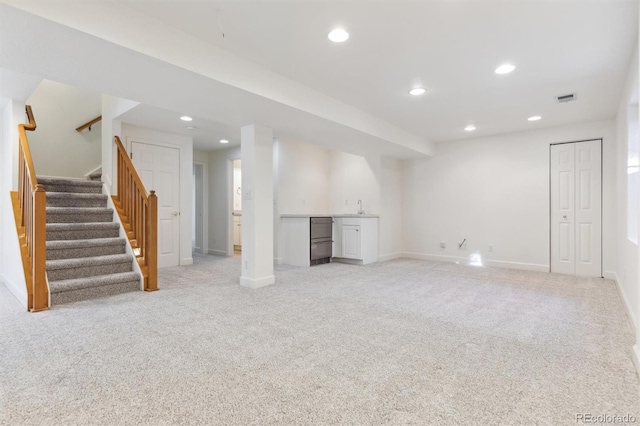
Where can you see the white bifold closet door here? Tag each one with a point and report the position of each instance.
(576, 208)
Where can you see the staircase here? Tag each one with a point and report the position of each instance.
(86, 257)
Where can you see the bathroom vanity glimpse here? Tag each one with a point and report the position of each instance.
(355, 238)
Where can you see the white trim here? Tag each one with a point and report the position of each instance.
(636, 358)
(257, 282)
(610, 275)
(625, 302)
(187, 261)
(278, 260)
(122, 234)
(390, 256)
(20, 295)
(465, 261)
(217, 252)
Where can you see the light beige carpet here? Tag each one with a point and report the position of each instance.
(398, 342)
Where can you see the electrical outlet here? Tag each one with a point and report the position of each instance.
(443, 245)
(490, 247)
(346, 202)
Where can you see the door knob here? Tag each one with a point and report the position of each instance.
(175, 214)
(564, 216)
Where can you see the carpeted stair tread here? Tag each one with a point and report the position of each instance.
(70, 185)
(53, 265)
(96, 176)
(66, 269)
(53, 245)
(82, 231)
(68, 181)
(95, 281)
(79, 214)
(72, 199)
(68, 249)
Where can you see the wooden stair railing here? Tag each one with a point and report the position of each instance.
(139, 215)
(88, 124)
(29, 207)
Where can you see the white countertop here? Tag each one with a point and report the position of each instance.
(305, 215)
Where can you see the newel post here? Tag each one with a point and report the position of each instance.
(39, 253)
(151, 243)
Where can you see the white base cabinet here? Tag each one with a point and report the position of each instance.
(355, 240)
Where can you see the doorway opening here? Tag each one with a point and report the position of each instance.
(236, 190)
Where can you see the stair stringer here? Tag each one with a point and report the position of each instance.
(122, 234)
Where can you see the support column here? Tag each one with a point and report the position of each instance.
(257, 206)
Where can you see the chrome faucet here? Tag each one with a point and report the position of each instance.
(360, 211)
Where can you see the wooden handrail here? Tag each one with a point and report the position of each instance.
(31, 208)
(88, 124)
(139, 215)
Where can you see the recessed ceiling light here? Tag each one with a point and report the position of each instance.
(224, 141)
(186, 118)
(470, 128)
(505, 69)
(416, 91)
(534, 118)
(190, 127)
(338, 35)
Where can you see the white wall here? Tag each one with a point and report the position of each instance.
(185, 145)
(495, 190)
(220, 199)
(353, 178)
(11, 270)
(59, 109)
(627, 252)
(303, 178)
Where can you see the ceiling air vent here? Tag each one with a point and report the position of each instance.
(567, 98)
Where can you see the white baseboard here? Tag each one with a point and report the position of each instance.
(625, 301)
(278, 260)
(19, 292)
(257, 282)
(609, 275)
(390, 256)
(186, 261)
(217, 252)
(636, 358)
(485, 262)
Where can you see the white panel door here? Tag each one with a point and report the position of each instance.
(351, 241)
(159, 169)
(588, 208)
(576, 214)
(562, 205)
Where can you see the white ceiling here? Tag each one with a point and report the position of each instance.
(276, 67)
(450, 47)
(206, 136)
